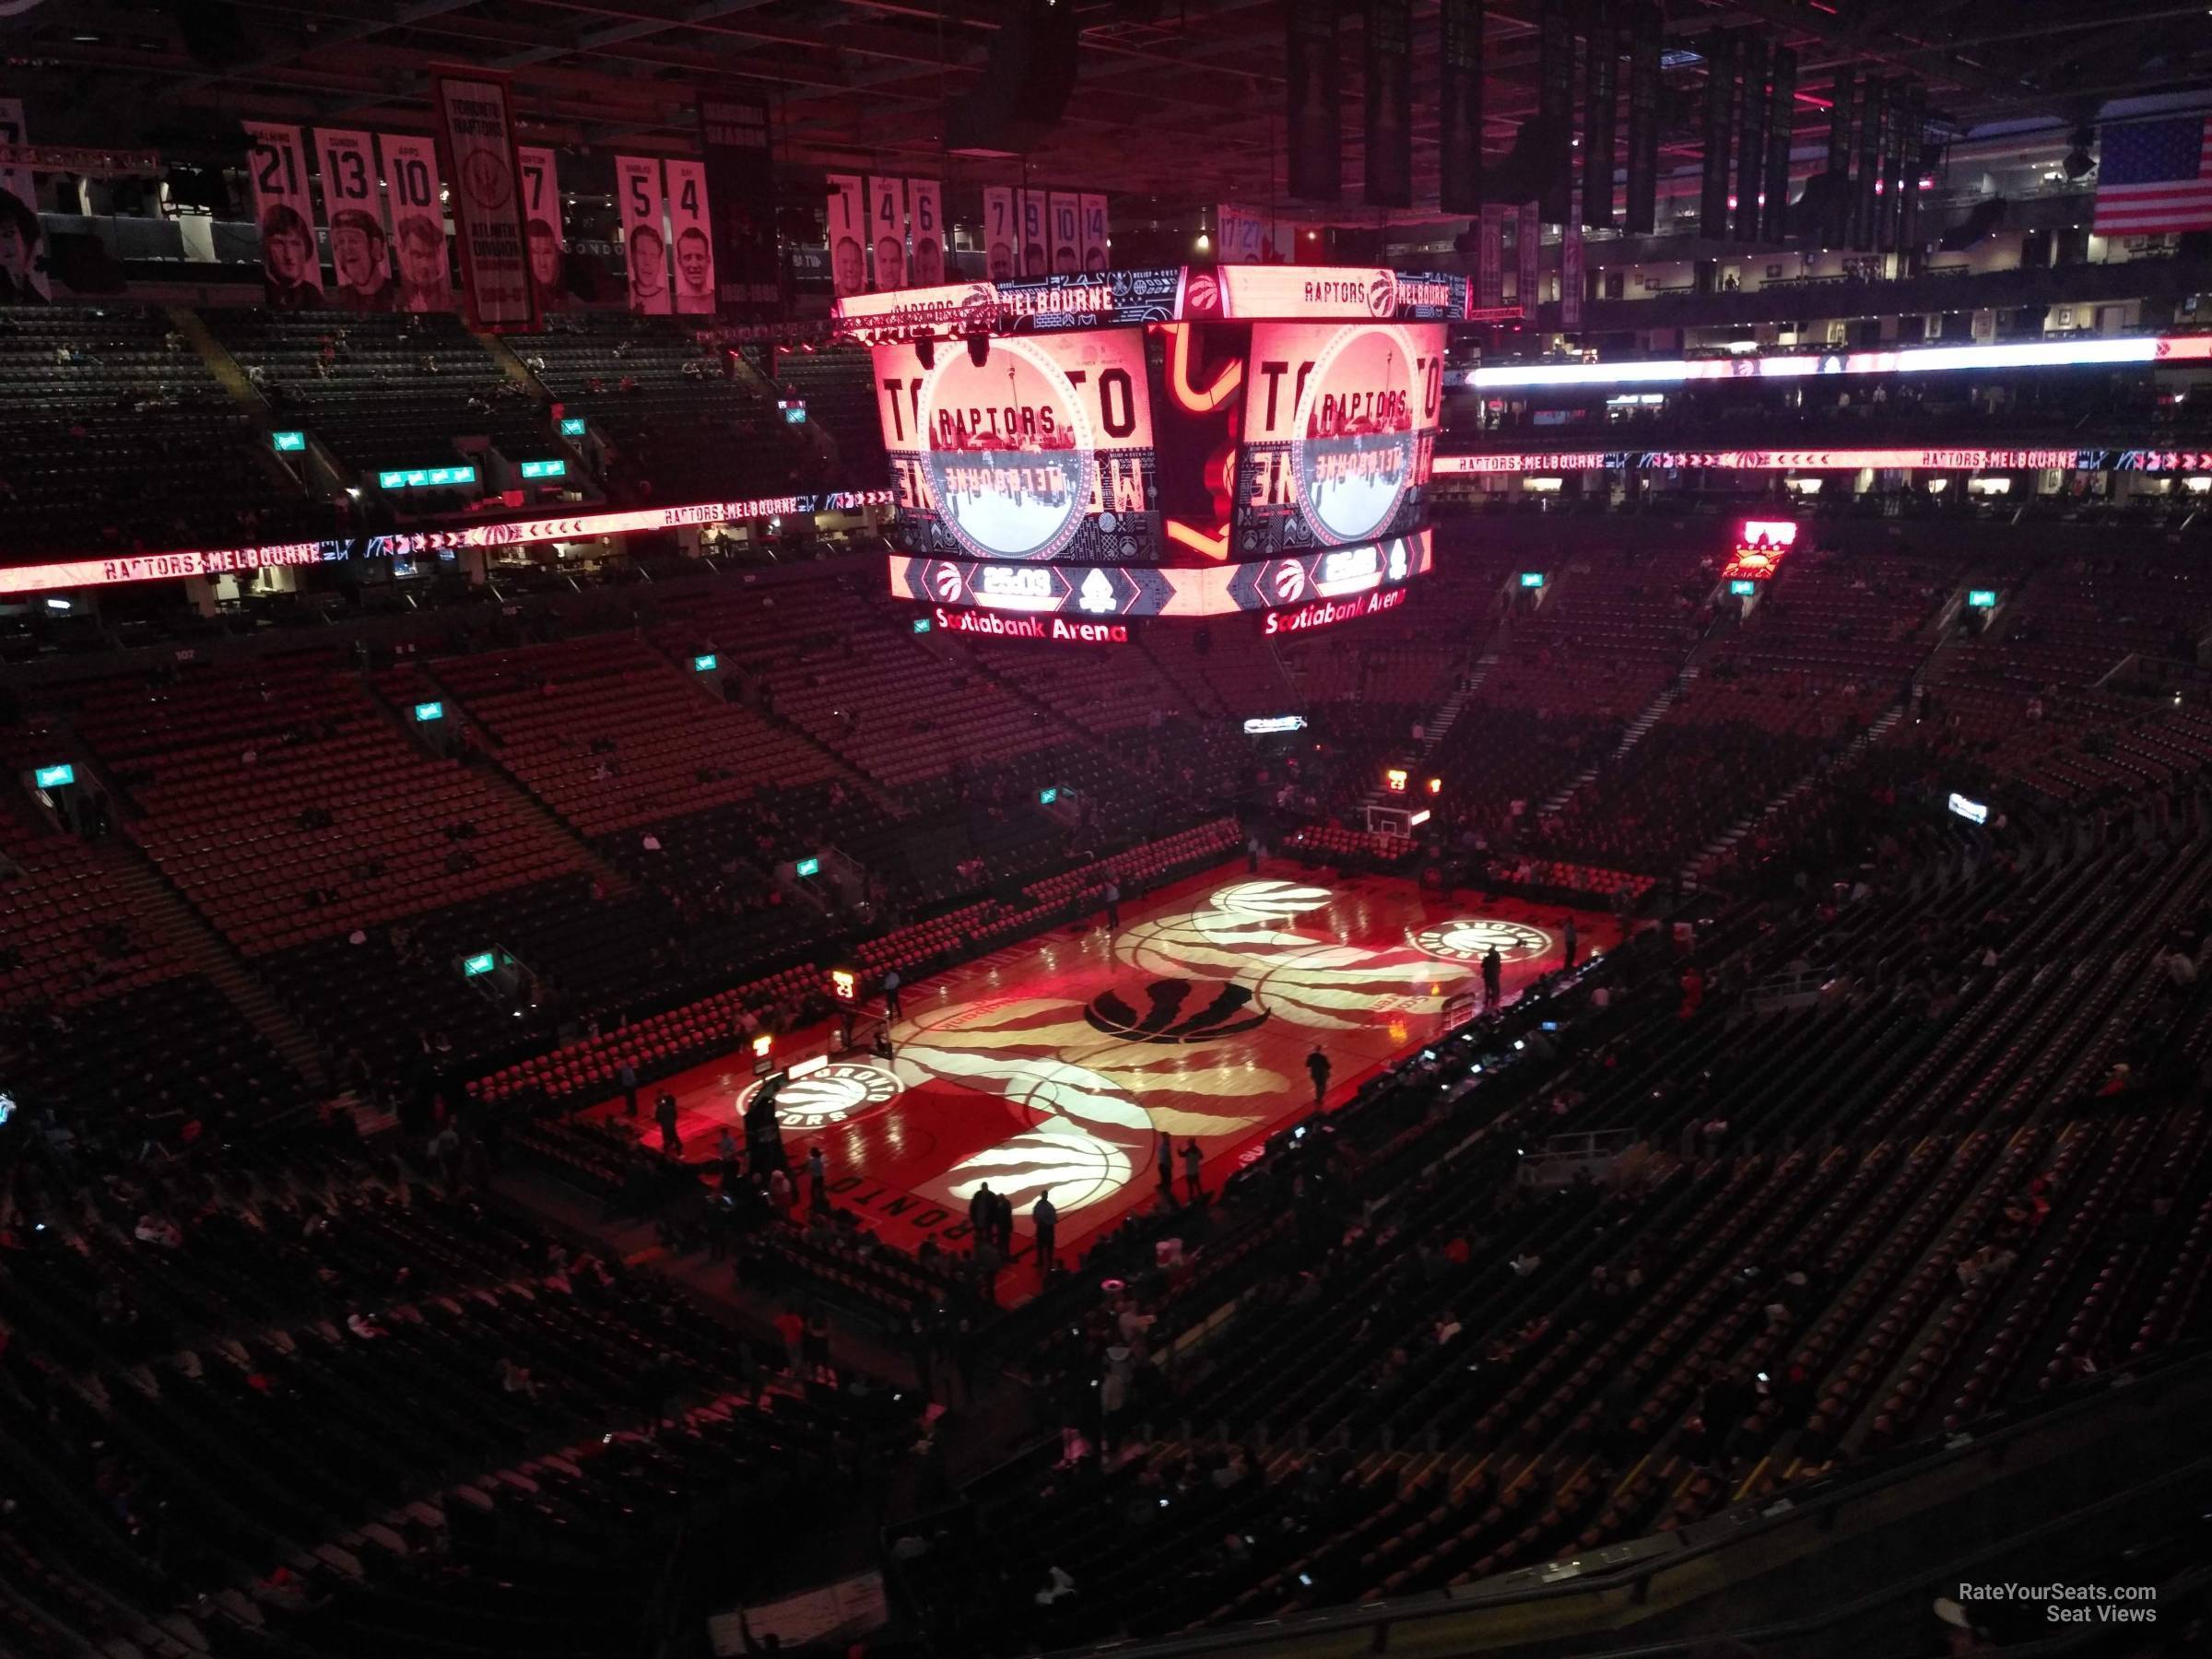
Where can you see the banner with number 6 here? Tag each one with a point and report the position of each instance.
(925, 208)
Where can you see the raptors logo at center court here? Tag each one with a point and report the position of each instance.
(828, 1095)
(1469, 940)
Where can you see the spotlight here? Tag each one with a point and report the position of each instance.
(979, 350)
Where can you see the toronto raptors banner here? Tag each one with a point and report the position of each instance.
(1067, 231)
(1571, 276)
(690, 239)
(291, 271)
(1751, 137)
(417, 221)
(353, 211)
(848, 237)
(886, 232)
(925, 207)
(22, 247)
(548, 233)
(645, 241)
(1782, 117)
(1600, 95)
(1459, 106)
(1315, 107)
(487, 200)
(1641, 207)
(1389, 59)
(1555, 108)
(741, 189)
(1489, 255)
(1532, 239)
(1720, 133)
(1095, 247)
(1002, 234)
(1036, 209)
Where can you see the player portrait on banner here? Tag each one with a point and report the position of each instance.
(360, 251)
(1066, 233)
(417, 222)
(1094, 233)
(290, 265)
(847, 229)
(688, 218)
(1002, 233)
(23, 279)
(887, 231)
(644, 242)
(548, 244)
(925, 203)
(1034, 261)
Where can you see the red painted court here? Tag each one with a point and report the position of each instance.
(1058, 1061)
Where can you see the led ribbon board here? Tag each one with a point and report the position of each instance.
(1116, 593)
(1922, 360)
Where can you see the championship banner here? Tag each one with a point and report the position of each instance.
(1640, 206)
(925, 205)
(644, 242)
(1571, 276)
(23, 259)
(741, 188)
(1095, 255)
(1068, 232)
(1458, 106)
(292, 270)
(848, 237)
(1750, 137)
(1532, 237)
(487, 200)
(549, 234)
(1489, 258)
(1600, 97)
(1555, 109)
(1035, 208)
(417, 221)
(1316, 100)
(1782, 114)
(1389, 62)
(353, 211)
(690, 222)
(886, 232)
(1002, 234)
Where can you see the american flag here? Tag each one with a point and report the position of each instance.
(2154, 177)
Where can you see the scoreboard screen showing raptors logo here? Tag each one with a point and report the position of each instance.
(1042, 451)
(1340, 424)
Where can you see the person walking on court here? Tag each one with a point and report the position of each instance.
(1493, 978)
(1113, 905)
(1167, 1166)
(1567, 936)
(1252, 852)
(1194, 1165)
(817, 1171)
(1317, 1067)
(892, 1009)
(664, 1113)
(1046, 1220)
(982, 1212)
(627, 1075)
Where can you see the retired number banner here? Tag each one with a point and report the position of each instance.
(291, 271)
(417, 222)
(688, 218)
(741, 182)
(1094, 251)
(353, 211)
(925, 205)
(1068, 232)
(548, 235)
(1002, 234)
(848, 237)
(487, 200)
(887, 231)
(644, 242)
(1035, 208)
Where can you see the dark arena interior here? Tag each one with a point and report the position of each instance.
(884, 829)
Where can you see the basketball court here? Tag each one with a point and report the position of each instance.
(1057, 1062)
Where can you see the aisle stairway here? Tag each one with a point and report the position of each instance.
(1644, 722)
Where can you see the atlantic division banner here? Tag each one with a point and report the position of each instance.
(487, 200)
(412, 185)
(1389, 59)
(1316, 100)
(1459, 106)
(292, 270)
(644, 239)
(691, 239)
(353, 212)
(547, 230)
(741, 189)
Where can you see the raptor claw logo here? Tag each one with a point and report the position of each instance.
(1468, 939)
(1231, 1010)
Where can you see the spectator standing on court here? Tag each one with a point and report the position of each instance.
(1046, 1220)
(1493, 978)
(664, 1113)
(1317, 1067)
(1572, 944)
(1194, 1165)
(1167, 1165)
(627, 1075)
(891, 1008)
(1113, 904)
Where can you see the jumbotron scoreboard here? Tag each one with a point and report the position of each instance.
(1073, 452)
